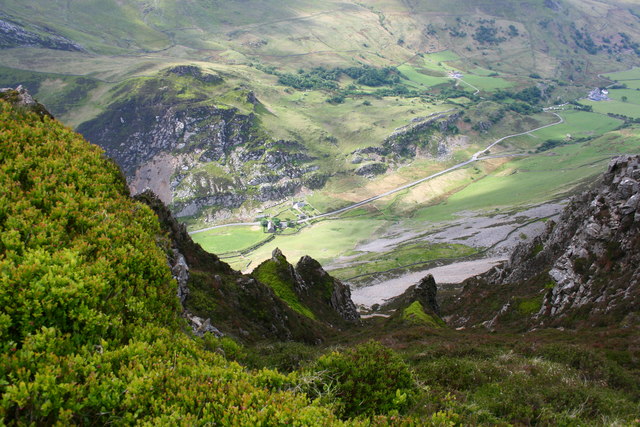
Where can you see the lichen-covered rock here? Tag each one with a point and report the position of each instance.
(20, 98)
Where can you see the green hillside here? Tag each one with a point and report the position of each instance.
(90, 320)
(91, 331)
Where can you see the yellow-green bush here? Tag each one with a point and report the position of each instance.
(366, 380)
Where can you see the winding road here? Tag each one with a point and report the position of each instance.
(474, 158)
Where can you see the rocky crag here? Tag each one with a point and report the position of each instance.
(584, 270)
(220, 300)
(13, 34)
(168, 136)
(431, 136)
(21, 99)
(308, 288)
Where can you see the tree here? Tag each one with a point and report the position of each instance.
(624, 99)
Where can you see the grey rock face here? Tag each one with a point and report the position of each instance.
(201, 326)
(208, 155)
(14, 35)
(180, 271)
(372, 169)
(592, 253)
(425, 292)
(311, 273)
(228, 200)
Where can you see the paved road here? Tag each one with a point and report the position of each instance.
(475, 157)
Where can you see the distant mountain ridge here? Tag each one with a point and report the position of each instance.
(222, 107)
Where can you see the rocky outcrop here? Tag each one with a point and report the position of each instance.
(583, 270)
(195, 205)
(317, 293)
(417, 305)
(13, 34)
(195, 153)
(599, 266)
(425, 292)
(371, 169)
(317, 280)
(420, 133)
(196, 73)
(21, 99)
(219, 300)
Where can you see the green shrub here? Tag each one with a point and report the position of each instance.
(284, 356)
(225, 346)
(529, 306)
(90, 331)
(458, 373)
(366, 380)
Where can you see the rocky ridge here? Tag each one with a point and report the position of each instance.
(219, 300)
(12, 34)
(429, 136)
(584, 269)
(326, 297)
(196, 154)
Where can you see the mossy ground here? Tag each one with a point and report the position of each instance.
(414, 314)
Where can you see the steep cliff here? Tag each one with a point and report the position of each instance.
(584, 270)
(169, 135)
(218, 299)
(308, 289)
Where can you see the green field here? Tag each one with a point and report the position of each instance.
(439, 57)
(421, 79)
(229, 239)
(632, 84)
(536, 178)
(621, 76)
(630, 96)
(615, 107)
(579, 124)
(486, 83)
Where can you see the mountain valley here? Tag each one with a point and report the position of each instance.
(320, 213)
